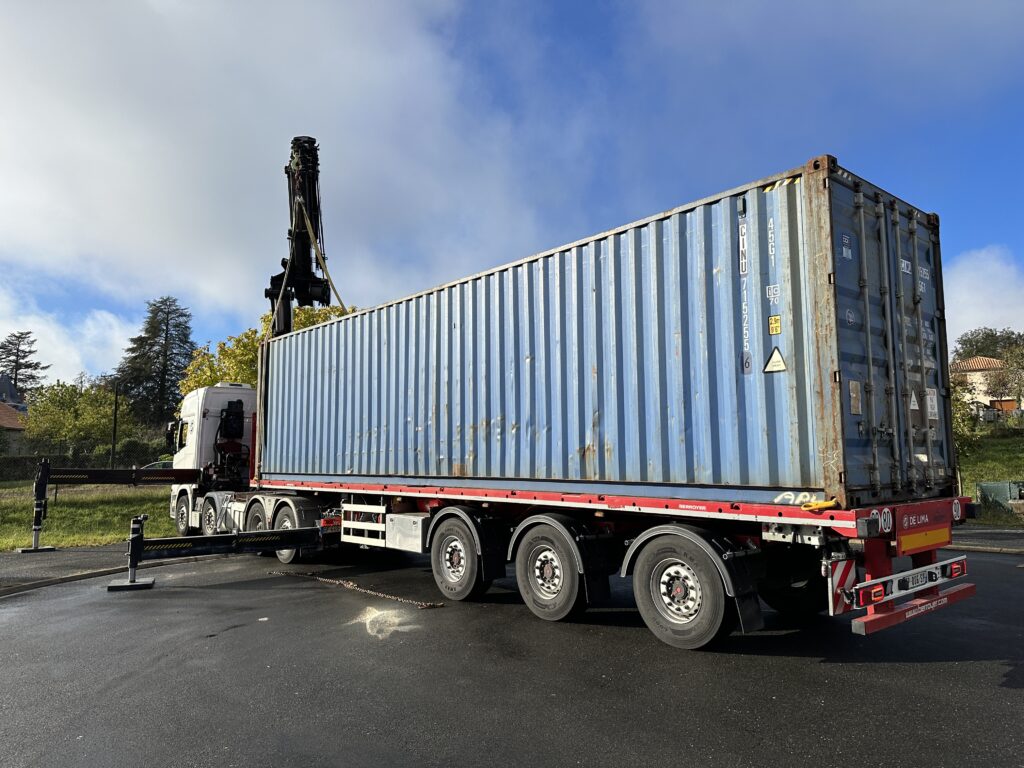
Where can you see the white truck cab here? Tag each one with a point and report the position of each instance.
(200, 427)
(214, 434)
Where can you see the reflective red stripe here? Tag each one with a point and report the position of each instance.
(843, 575)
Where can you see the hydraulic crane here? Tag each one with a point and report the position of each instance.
(298, 280)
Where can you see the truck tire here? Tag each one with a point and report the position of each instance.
(181, 511)
(286, 520)
(454, 561)
(256, 520)
(680, 593)
(546, 573)
(208, 518)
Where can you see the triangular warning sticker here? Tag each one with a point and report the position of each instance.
(775, 362)
(913, 402)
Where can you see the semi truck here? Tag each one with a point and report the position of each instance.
(743, 399)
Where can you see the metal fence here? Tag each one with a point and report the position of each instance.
(130, 453)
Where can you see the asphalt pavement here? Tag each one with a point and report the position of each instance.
(228, 663)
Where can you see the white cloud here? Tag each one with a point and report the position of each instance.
(983, 287)
(143, 142)
(90, 342)
(143, 147)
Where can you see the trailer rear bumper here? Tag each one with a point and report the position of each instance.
(928, 585)
(866, 625)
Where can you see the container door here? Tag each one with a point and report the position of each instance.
(892, 349)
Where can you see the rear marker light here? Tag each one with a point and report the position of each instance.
(870, 595)
(957, 570)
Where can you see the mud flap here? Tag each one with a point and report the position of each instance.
(749, 609)
(493, 541)
(597, 586)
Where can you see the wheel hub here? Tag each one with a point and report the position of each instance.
(454, 559)
(676, 591)
(547, 571)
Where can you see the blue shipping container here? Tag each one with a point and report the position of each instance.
(780, 342)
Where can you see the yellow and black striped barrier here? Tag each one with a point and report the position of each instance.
(140, 548)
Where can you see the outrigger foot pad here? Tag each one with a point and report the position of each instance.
(124, 585)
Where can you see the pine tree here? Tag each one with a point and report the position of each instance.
(17, 360)
(156, 359)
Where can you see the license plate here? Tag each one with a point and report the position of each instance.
(915, 580)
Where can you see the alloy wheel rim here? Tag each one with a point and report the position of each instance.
(676, 590)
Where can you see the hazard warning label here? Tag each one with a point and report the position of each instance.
(775, 362)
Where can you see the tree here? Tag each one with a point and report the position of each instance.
(17, 360)
(74, 419)
(156, 360)
(987, 342)
(235, 359)
(999, 383)
(965, 435)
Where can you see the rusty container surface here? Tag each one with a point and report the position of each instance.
(780, 342)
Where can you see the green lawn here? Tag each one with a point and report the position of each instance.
(995, 458)
(82, 515)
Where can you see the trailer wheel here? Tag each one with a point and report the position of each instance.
(455, 563)
(286, 520)
(680, 593)
(547, 576)
(208, 518)
(181, 511)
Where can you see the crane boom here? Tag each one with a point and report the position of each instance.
(298, 281)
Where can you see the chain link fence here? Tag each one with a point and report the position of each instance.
(21, 465)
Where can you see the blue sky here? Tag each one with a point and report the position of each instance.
(142, 142)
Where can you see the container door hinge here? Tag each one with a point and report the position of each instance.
(837, 377)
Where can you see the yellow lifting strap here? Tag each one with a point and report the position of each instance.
(819, 506)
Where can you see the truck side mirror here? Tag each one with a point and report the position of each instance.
(170, 436)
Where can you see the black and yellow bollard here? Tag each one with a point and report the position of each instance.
(135, 542)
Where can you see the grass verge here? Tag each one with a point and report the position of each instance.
(82, 515)
(995, 458)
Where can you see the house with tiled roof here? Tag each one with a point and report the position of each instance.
(12, 426)
(978, 372)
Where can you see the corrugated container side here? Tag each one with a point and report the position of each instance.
(705, 353)
(633, 358)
